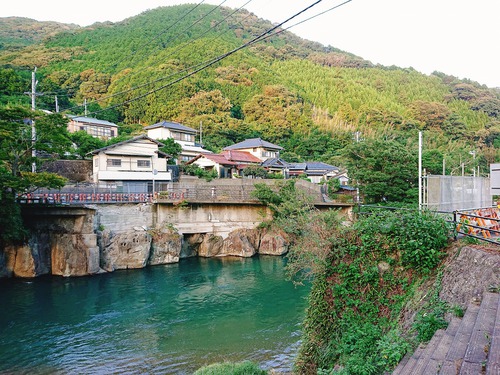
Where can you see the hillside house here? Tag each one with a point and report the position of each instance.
(257, 147)
(227, 164)
(96, 128)
(183, 135)
(135, 162)
(317, 171)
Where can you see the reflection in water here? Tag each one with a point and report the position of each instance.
(162, 319)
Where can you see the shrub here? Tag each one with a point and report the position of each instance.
(241, 368)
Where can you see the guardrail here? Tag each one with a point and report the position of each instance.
(175, 193)
(480, 223)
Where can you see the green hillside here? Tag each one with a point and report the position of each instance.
(20, 32)
(309, 98)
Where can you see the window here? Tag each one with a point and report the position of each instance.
(114, 162)
(143, 163)
(269, 154)
(96, 162)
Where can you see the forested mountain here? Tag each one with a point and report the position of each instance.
(20, 32)
(309, 98)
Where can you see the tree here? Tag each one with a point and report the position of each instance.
(16, 146)
(85, 143)
(385, 169)
(171, 148)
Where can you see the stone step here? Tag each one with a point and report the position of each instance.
(401, 364)
(468, 346)
(464, 332)
(479, 344)
(408, 367)
(439, 354)
(419, 368)
(493, 365)
(412, 358)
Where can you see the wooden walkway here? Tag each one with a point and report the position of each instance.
(470, 345)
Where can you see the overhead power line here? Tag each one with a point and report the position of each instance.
(215, 60)
(177, 50)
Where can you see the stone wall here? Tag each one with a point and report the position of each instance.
(78, 241)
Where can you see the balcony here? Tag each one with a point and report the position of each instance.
(133, 176)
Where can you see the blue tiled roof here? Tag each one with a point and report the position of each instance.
(171, 125)
(317, 165)
(253, 142)
(90, 120)
(274, 162)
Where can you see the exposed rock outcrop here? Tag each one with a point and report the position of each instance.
(211, 246)
(165, 246)
(241, 242)
(124, 250)
(75, 255)
(273, 242)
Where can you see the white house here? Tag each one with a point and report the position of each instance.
(132, 162)
(96, 128)
(183, 135)
(262, 149)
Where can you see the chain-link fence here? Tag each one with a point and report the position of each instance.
(450, 193)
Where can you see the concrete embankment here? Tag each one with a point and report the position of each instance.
(78, 241)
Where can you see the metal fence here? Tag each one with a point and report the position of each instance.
(450, 193)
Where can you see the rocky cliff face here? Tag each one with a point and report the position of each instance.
(84, 241)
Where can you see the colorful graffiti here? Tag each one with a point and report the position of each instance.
(483, 222)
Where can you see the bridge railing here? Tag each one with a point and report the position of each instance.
(173, 192)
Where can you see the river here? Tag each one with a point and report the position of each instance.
(168, 319)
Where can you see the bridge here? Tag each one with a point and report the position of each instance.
(215, 192)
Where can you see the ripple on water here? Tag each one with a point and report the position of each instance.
(166, 319)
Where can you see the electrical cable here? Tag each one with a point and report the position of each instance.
(213, 61)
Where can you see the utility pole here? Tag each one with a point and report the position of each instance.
(201, 132)
(57, 105)
(85, 105)
(420, 192)
(33, 95)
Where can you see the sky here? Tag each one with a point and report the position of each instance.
(456, 37)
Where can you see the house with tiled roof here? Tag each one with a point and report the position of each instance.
(317, 171)
(275, 165)
(256, 146)
(132, 162)
(96, 128)
(227, 164)
(181, 134)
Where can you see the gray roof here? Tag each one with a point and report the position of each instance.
(312, 167)
(274, 162)
(251, 143)
(171, 125)
(91, 120)
(317, 165)
(124, 142)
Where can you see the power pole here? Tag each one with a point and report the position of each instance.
(420, 191)
(57, 105)
(33, 95)
(201, 132)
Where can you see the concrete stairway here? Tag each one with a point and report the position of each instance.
(470, 345)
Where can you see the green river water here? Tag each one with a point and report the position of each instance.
(168, 319)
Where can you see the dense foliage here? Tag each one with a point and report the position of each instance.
(318, 102)
(363, 277)
(16, 159)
